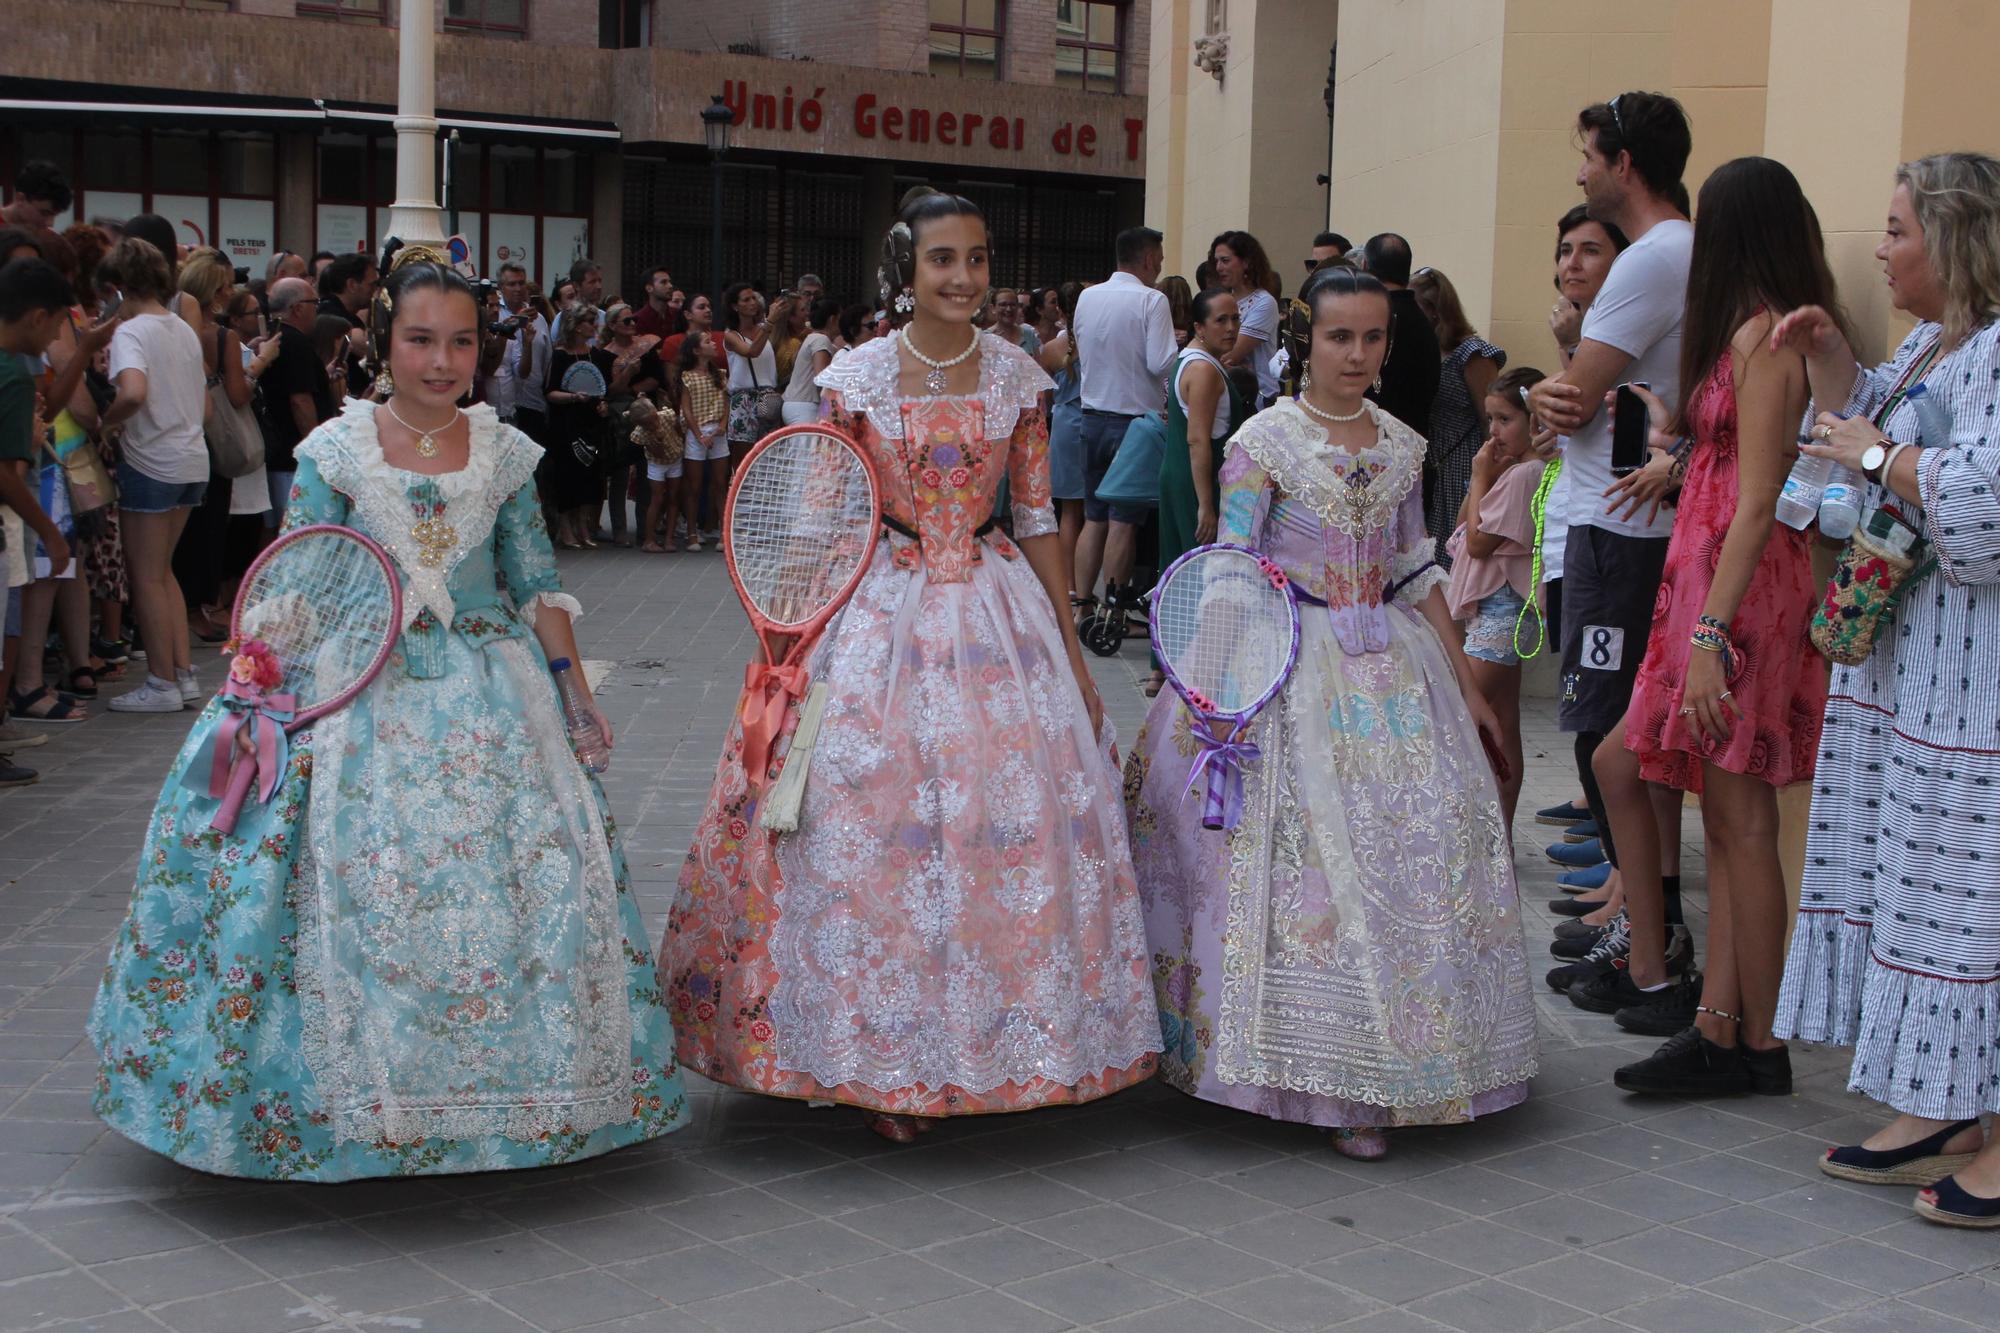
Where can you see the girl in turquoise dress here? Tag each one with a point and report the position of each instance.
(421, 955)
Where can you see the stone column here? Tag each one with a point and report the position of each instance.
(415, 215)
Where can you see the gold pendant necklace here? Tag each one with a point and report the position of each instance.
(426, 440)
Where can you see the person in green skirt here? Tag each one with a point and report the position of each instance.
(1203, 411)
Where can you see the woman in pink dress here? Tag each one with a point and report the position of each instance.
(954, 928)
(1729, 697)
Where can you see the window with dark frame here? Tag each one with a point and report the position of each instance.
(965, 38)
(1090, 44)
(494, 18)
(624, 24)
(353, 11)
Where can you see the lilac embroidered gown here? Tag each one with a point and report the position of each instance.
(1351, 953)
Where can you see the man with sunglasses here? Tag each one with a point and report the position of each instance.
(1635, 148)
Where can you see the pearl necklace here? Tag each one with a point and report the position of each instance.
(1325, 415)
(426, 439)
(935, 379)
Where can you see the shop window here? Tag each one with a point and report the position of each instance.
(114, 161)
(180, 162)
(566, 181)
(514, 185)
(249, 164)
(382, 169)
(343, 167)
(622, 24)
(495, 18)
(357, 11)
(965, 38)
(1090, 44)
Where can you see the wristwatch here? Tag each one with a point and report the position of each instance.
(1872, 459)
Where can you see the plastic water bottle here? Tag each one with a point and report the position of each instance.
(1798, 502)
(580, 717)
(1840, 504)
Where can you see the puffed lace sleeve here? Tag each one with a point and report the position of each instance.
(312, 499)
(524, 556)
(1028, 476)
(1960, 485)
(1245, 501)
(1413, 569)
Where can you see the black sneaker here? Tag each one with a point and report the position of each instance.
(1770, 1071)
(1689, 1065)
(1581, 929)
(1574, 947)
(113, 652)
(1664, 1012)
(1612, 989)
(16, 775)
(1617, 942)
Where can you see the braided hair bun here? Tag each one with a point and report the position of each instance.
(898, 271)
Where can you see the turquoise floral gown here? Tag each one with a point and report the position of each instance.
(421, 955)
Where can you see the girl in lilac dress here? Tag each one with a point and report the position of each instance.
(1350, 954)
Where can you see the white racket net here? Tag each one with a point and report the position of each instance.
(1223, 630)
(802, 519)
(324, 604)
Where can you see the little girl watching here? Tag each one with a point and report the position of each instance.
(1492, 573)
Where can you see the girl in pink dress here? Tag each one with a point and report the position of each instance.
(954, 928)
(1729, 697)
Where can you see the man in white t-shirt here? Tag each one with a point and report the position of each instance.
(1634, 149)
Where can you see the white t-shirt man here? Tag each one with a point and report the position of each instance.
(1637, 311)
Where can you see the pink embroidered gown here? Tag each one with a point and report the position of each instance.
(955, 926)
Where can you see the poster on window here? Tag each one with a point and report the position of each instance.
(112, 205)
(343, 228)
(564, 241)
(512, 238)
(246, 231)
(188, 213)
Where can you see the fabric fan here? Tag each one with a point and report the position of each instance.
(803, 517)
(315, 619)
(1225, 626)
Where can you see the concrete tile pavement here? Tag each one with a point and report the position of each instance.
(1581, 1209)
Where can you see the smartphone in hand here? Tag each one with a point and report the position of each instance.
(1630, 426)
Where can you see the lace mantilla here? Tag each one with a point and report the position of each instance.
(1010, 383)
(501, 460)
(1355, 494)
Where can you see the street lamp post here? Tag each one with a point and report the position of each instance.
(415, 215)
(715, 121)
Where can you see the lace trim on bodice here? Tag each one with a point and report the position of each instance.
(1356, 494)
(500, 461)
(1010, 383)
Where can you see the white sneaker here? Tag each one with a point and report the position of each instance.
(155, 696)
(190, 687)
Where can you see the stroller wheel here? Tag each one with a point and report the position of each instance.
(1103, 632)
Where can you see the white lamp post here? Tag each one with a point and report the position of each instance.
(415, 215)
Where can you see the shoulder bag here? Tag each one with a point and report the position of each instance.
(235, 440)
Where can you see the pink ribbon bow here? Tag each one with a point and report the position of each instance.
(264, 717)
(767, 692)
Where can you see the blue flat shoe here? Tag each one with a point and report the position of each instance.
(1924, 1162)
(1585, 880)
(1562, 816)
(1577, 855)
(1582, 831)
(1953, 1205)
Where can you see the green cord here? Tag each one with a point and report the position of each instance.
(1540, 505)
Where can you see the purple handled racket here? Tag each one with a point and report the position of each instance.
(1226, 630)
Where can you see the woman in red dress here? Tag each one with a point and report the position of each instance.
(1729, 697)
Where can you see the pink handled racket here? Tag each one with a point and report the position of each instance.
(803, 517)
(326, 602)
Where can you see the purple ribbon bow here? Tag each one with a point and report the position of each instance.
(264, 716)
(1223, 761)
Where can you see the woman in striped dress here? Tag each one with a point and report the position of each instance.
(1897, 947)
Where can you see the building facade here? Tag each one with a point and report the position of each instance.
(1451, 122)
(573, 127)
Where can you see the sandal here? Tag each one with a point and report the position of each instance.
(83, 683)
(61, 708)
(895, 1128)
(1366, 1144)
(653, 548)
(1953, 1205)
(1924, 1162)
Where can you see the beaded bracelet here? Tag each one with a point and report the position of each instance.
(1712, 637)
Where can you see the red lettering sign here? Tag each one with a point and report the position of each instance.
(789, 113)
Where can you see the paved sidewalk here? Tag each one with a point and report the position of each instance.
(1582, 1209)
